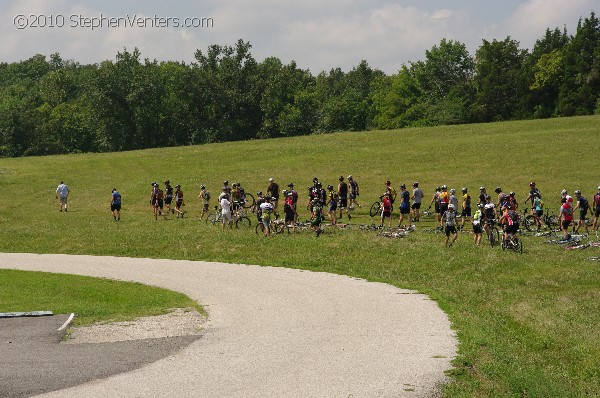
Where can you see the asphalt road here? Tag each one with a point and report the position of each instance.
(275, 332)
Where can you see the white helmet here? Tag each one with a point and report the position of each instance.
(451, 206)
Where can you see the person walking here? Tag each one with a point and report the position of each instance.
(115, 204)
(62, 193)
(204, 195)
(449, 218)
(417, 198)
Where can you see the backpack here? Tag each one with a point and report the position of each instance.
(513, 216)
(207, 196)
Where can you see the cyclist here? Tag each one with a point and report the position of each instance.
(404, 205)
(596, 210)
(566, 216)
(266, 211)
(273, 192)
(292, 192)
(394, 194)
(342, 191)
(225, 193)
(533, 191)
(168, 196)
(449, 218)
(435, 201)
(583, 205)
(510, 223)
(444, 200)
(259, 201)
(226, 216)
(538, 210)
(205, 196)
(179, 200)
(157, 197)
(453, 199)
(489, 214)
(115, 204)
(354, 192)
(417, 198)
(502, 198)
(477, 223)
(466, 207)
(312, 193)
(512, 201)
(316, 211)
(332, 201)
(482, 195)
(386, 208)
(289, 208)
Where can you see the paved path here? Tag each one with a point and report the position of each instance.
(276, 332)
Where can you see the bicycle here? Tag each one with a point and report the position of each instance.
(376, 207)
(493, 233)
(215, 217)
(512, 243)
(276, 226)
(549, 220)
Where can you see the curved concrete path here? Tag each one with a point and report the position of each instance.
(277, 332)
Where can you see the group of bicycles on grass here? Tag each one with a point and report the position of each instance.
(452, 212)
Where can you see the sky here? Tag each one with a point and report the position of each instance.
(317, 34)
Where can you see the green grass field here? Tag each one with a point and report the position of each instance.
(527, 324)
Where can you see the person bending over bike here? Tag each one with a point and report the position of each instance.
(509, 222)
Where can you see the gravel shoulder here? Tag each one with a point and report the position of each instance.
(276, 332)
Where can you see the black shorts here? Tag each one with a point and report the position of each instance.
(466, 212)
(168, 199)
(386, 213)
(566, 223)
(159, 203)
(450, 229)
(289, 216)
(178, 203)
(437, 208)
(512, 229)
(352, 195)
(582, 214)
(539, 213)
(597, 213)
(342, 203)
(205, 207)
(443, 208)
(115, 206)
(416, 206)
(477, 229)
(404, 210)
(333, 206)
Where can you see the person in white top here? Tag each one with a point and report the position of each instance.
(227, 217)
(62, 192)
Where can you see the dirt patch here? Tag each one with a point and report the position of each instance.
(179, 322)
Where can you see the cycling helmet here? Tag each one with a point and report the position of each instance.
(225, 182)
(464, 189)
(274, 198)
(482, 188)
(284, 192)
(452, 190)
(415, 184)
(498, 189)
(315, 180)
(167, 182)
(271, 179)
(177, 186)
(403, 186)
(598, 188)
(350, 177)
(153, 184)
(438, 188)
(202, 187)
(578, 192)
(563, 192)
(341, 178)
(481, 205)
(329, 187)
(259, 193)
(511, 193)
(388, 182)
(290, 185)
(450, 206)
(444, 187)
(569, 199)
(532, 183)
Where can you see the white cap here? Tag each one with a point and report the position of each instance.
(271, 179)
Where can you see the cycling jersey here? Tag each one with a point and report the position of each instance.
(566, 210)
(443, 198)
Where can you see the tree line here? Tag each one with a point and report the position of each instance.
(53, 106)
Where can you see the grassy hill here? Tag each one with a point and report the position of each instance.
(527, 323)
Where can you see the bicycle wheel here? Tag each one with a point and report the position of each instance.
(375, 209)
(496, 234)
(249, 201)
(260, 228)
(243, 222)
(277, 228)
(529, 223)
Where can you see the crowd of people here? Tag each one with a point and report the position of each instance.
(334, 202)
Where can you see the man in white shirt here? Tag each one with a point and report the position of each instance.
(62, 192)
(227, 217)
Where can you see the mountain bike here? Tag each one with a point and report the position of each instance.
(548, 219)
(493, 233)
(512, 243)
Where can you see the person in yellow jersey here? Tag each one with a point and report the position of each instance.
(466, 207)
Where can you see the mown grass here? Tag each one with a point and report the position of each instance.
(92, 299)
(527, 323)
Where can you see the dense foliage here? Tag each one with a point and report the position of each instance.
(57, 106)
